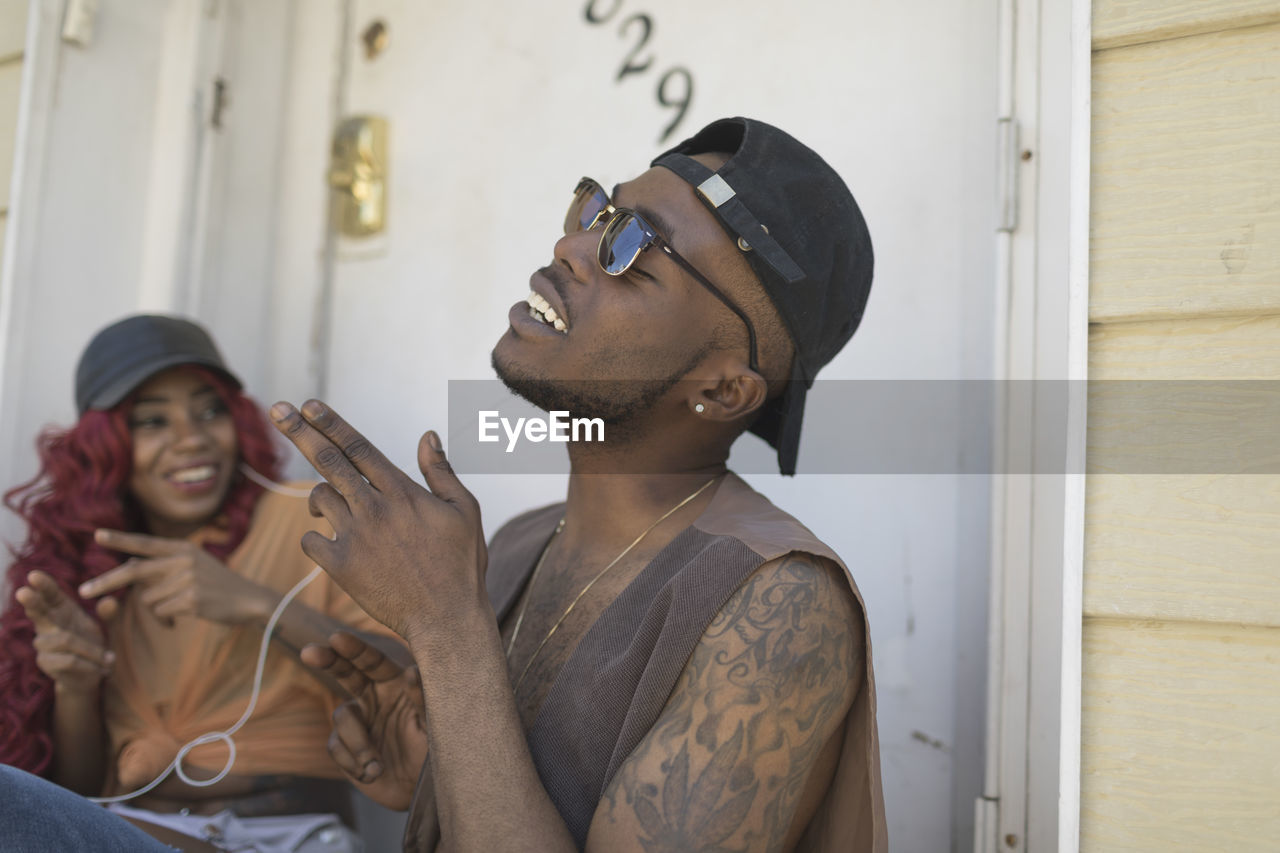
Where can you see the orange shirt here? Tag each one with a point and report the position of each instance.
(170, 685)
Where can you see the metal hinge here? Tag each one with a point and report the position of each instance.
(1007, 173)
(221, 99)
(986, 825)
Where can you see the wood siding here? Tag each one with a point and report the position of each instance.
(1180, 705)
(1117, 23)
(13, 27)
(1182, 726)
(1186, 143)
(1181, 667)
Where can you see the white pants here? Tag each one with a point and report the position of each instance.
(303, 833)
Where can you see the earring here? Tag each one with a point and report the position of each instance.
(699, 408)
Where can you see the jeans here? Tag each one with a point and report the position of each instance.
(37, 816)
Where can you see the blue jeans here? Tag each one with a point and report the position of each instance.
(37, 816)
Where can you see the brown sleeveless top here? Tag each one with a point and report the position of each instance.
(616, 682)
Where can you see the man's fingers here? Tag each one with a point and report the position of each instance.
(413, 684)
(343, 758)
(326, 552)
(324, 659)
(317, 656)
(323, 453)
(364, 657)
(366, 458)
(353, 735)
(438, 473)
(328, 503)
(140, 544)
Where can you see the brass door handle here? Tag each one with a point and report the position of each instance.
(358, 175)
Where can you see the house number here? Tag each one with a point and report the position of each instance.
(675, 87)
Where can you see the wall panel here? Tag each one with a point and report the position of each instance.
(1121, 22)
(1186, 174)
(1181, 735)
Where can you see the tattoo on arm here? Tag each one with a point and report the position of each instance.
(726, 764)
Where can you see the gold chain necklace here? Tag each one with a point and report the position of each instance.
(515, 632)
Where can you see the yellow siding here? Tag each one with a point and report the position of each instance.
(1181, 723)
(1156, 545)
(13, 25)
(1193, 547)
(1121, 22)
(1206, 348)
(10, 77)
(1180, 738)
(1186, 150)
(13, 28)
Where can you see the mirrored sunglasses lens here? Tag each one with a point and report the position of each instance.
(586, 206)
(623, 241)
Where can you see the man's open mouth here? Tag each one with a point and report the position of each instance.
(541, 310)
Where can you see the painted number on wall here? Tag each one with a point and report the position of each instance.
(675, 87)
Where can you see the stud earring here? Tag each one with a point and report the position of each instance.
(699, 408)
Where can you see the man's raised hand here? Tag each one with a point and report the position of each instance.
(413, 559)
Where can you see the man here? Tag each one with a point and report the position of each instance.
(665, 661)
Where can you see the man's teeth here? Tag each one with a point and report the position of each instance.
(193, 475)
(541, 310)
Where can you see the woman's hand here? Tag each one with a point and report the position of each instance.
(379, 737)
(179, 578)
(69, 645)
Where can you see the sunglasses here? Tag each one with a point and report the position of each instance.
(626, 235)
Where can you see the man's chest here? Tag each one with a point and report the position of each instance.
(555, 613)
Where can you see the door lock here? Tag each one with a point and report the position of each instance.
(358, 176)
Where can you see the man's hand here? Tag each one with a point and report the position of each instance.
(179, 578)
(413, 559)
(379, 737)
(69, 646)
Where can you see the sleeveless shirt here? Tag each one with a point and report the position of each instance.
(615, 683)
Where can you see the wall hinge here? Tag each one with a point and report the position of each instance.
(221, 99)
(986, 825)
(1007, 173)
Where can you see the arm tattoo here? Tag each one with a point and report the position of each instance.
(726, 764)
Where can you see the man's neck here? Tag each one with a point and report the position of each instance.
(616, 495)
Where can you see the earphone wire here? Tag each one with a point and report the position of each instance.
(271, 485)
(211, 737)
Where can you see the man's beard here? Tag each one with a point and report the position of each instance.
(620, 403)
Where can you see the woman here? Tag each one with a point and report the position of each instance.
(152, 564)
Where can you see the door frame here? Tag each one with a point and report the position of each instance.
(1031, 796)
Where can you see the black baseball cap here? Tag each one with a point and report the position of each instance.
(125, 354)
(802, 233)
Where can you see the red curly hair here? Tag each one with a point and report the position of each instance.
(83, 485)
